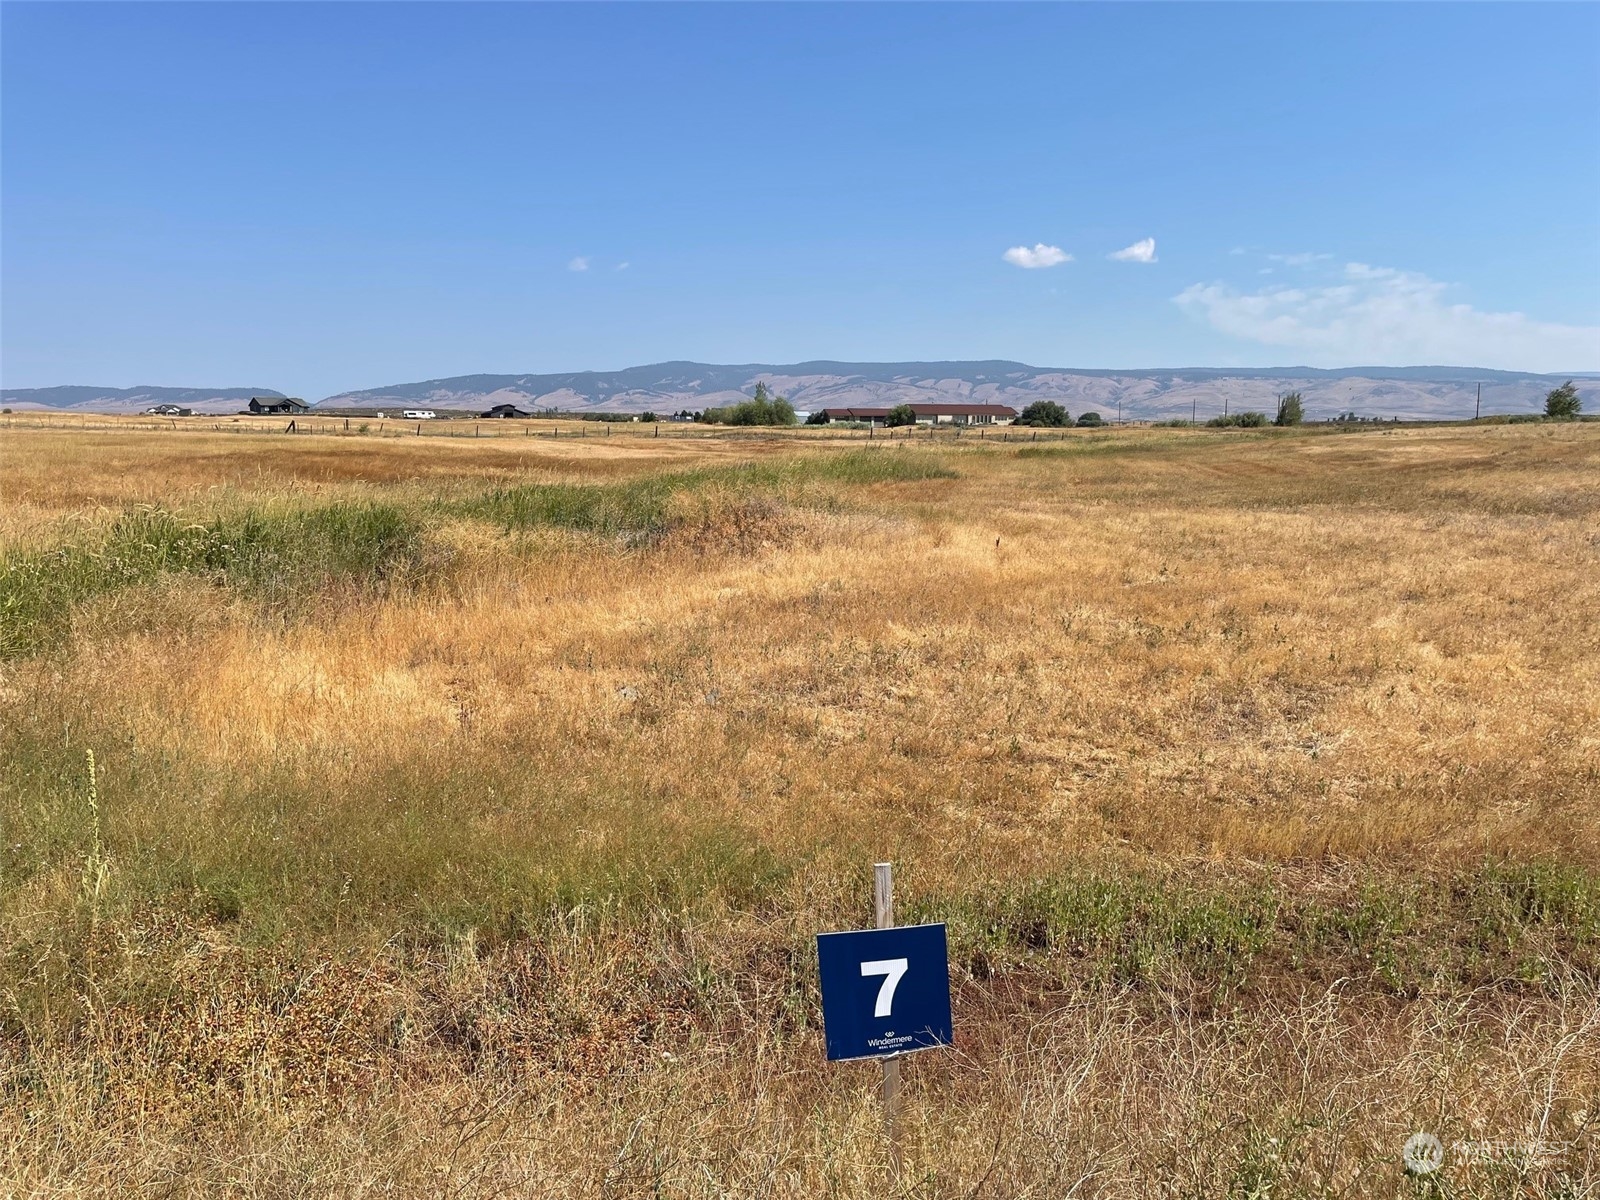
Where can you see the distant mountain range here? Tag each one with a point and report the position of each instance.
(1414, 393)
(130, 400)
(1406, 392)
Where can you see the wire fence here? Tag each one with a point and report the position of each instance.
(555, 429)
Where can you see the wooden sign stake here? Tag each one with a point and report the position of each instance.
(883, 912)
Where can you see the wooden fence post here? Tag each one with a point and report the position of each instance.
(883, 914)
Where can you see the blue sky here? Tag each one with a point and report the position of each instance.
(319, 197)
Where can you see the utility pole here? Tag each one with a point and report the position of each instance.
(1478, 411)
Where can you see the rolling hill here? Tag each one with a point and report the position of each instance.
(1415, 393)
(130, 400)
(1409, 393)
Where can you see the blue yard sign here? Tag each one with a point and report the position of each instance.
(884, 991)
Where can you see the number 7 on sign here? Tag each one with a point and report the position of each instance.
(892, 970)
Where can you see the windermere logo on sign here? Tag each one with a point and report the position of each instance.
(884, 991)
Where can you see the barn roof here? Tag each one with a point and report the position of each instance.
(963, 410)
(925, 410)
(859, 414)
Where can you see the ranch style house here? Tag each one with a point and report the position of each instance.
(278, 404)
(930, 414)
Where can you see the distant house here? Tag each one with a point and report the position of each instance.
(873, 416)
(507, 410)
(278, 404)
(964, 414)
(931, 414)
(167, 410)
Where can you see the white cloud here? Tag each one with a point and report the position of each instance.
(578, 264)
(1381, 315)
(1297, 260)
(1040, 256)
(621, 266)
(1140, 252)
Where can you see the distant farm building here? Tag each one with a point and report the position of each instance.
(507, 410)
(930, 414)
(873, 416)
(278, 404)
(168, 410)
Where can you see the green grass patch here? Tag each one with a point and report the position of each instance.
(1500, 924)
(639, 510)
(1131, 928)
(276, 555)
(281, 555)
(288, 856)
(1078, 446)
(423, 849)
(873, 466)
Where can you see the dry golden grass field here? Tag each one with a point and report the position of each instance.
(446, 815)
